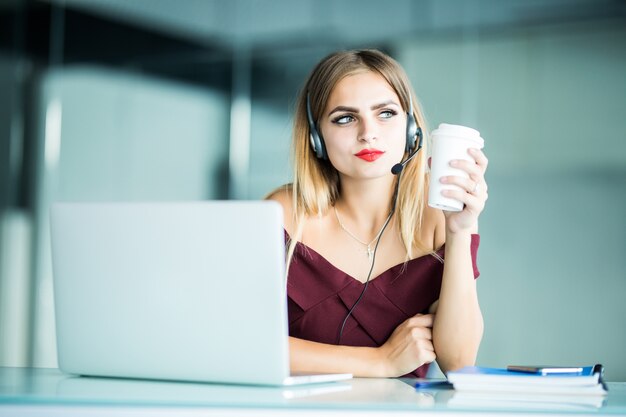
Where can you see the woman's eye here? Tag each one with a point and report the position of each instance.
(342, 120)
(387, 114)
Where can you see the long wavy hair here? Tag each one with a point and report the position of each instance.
(316, 184)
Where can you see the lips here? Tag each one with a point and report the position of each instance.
(369, 155)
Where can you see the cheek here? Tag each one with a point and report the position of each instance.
(398, 141)
(338, 153)
(338, 142)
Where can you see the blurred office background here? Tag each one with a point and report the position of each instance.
(192, 100)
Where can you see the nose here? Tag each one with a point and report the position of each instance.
(367, 130)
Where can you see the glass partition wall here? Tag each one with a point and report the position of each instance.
(95, 110)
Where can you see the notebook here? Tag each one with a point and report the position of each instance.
(173, 291)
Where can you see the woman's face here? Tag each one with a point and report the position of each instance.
(364, 126)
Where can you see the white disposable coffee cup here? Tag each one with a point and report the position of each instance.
(449, 142)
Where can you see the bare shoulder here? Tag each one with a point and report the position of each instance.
(434, 227)
(284, 196)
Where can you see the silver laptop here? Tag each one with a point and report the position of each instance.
(175, 291)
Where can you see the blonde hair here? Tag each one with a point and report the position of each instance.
(316, 186)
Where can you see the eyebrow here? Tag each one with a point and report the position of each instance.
(355, 110)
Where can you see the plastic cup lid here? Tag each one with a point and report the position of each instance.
(446, 129)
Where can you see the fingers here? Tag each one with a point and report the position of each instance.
(429, 357)
(475, 203)
(423, 338)
(421, 320)
(468, 185)
(420, 330)
(475, 173)
(475, 168)
(421, 335)
(473, 190)
(480, 158)
(410, 345)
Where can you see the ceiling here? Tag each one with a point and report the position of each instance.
(259, 23)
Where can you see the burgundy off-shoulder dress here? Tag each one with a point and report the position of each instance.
(320, 295)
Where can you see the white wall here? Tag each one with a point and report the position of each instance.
(551, 105)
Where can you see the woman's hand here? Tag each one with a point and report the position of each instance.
(473, 192)
(409, 346)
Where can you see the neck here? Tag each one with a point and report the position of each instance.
(364, 205)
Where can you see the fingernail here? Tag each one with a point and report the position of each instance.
(454, 162)
(443, 179)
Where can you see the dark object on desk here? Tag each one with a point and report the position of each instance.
(424, 383)
(599, 369)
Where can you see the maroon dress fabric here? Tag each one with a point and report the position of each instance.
(320, 295)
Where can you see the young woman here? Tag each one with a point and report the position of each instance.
(371, 288)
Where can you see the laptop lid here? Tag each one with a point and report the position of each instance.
(177, 291)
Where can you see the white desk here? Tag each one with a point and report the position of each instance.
(30, 392)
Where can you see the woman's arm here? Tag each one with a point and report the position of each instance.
(458, 326)
(409, 347)
(307, 356)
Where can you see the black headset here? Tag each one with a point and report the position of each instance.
(413, 134)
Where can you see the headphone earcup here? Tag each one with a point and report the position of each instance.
(412, 132)
(317, 143)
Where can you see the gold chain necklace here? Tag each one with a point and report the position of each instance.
(370, 251)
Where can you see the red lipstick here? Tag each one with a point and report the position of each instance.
(369, 155)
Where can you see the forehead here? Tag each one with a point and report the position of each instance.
(361, 89)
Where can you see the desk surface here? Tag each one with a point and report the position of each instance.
(32, 387)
